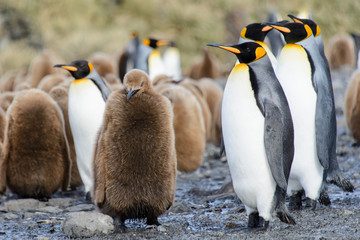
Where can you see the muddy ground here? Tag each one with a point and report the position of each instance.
(203, 210)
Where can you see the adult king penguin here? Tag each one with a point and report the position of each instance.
(257, 32)
(334, 174)
(156, 65)
(87, 96)
(258, 134)
(312, 107)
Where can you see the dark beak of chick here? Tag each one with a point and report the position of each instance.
(131, 93)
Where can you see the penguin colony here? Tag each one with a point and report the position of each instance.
(124, 127)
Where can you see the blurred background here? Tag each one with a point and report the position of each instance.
(76, 29)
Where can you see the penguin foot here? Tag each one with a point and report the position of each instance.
(119, 224)
(339, 180)
(44, 199)
(88, 197)
(285, 217)
(324, 198)
(313, 204)
(255, 220)
(295, 201)
(152, 221)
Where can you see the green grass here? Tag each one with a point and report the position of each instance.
(75, 29)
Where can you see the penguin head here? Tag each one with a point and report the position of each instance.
(136, 82)
(154, 43)
(293, 32)
(78, 68)
(255, 31)
(314, 27)
(245, 52)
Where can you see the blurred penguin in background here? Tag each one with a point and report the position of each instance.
(155, 62)
(35, 162)
(172, 62)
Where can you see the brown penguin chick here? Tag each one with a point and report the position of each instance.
(214, 93)
(7, 81)
(352, 106)
(111, 78)
(60, 95)
(115, 87)
(2, 125)
(35, 159)
(6, 99)
(341, 51)
(50, 81)
(103, 63)
(135, 158)
(200, 95)
(207, 66)
(41, 66)
(189, 126)
(22, 86)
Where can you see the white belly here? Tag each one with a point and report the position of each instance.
(243, 132)
(156, 65)
(86, 109)
(293, 72)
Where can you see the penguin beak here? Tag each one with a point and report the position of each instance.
(67, 67)
(131, 93)
(228, 48)
(295, 19)
(266, 28)
(162, 43)
(281, 29)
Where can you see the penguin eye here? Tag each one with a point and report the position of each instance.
(142, 84)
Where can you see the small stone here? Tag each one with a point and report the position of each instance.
(161, 228)
(87, 224)
(348, 212)
(61, 202)
(21, 205)
(9, 216)
(43, 238)
(81, 207)
(50, 209)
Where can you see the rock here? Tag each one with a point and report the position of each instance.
(161, 228)
(22, 205)
(81, 207)
(180, 207)
(50, 209)
(61, 202)
(87, 224)
(9, 216)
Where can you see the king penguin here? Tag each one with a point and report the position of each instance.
(334, 174)
(172, 62)
(258, 134)
(155, 62)
(313, 114)
(135, 159)
(257, 32)
(86, 103)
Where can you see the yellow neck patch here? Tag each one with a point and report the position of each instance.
(241, 67)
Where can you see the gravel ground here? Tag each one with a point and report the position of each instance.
(205, 206)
